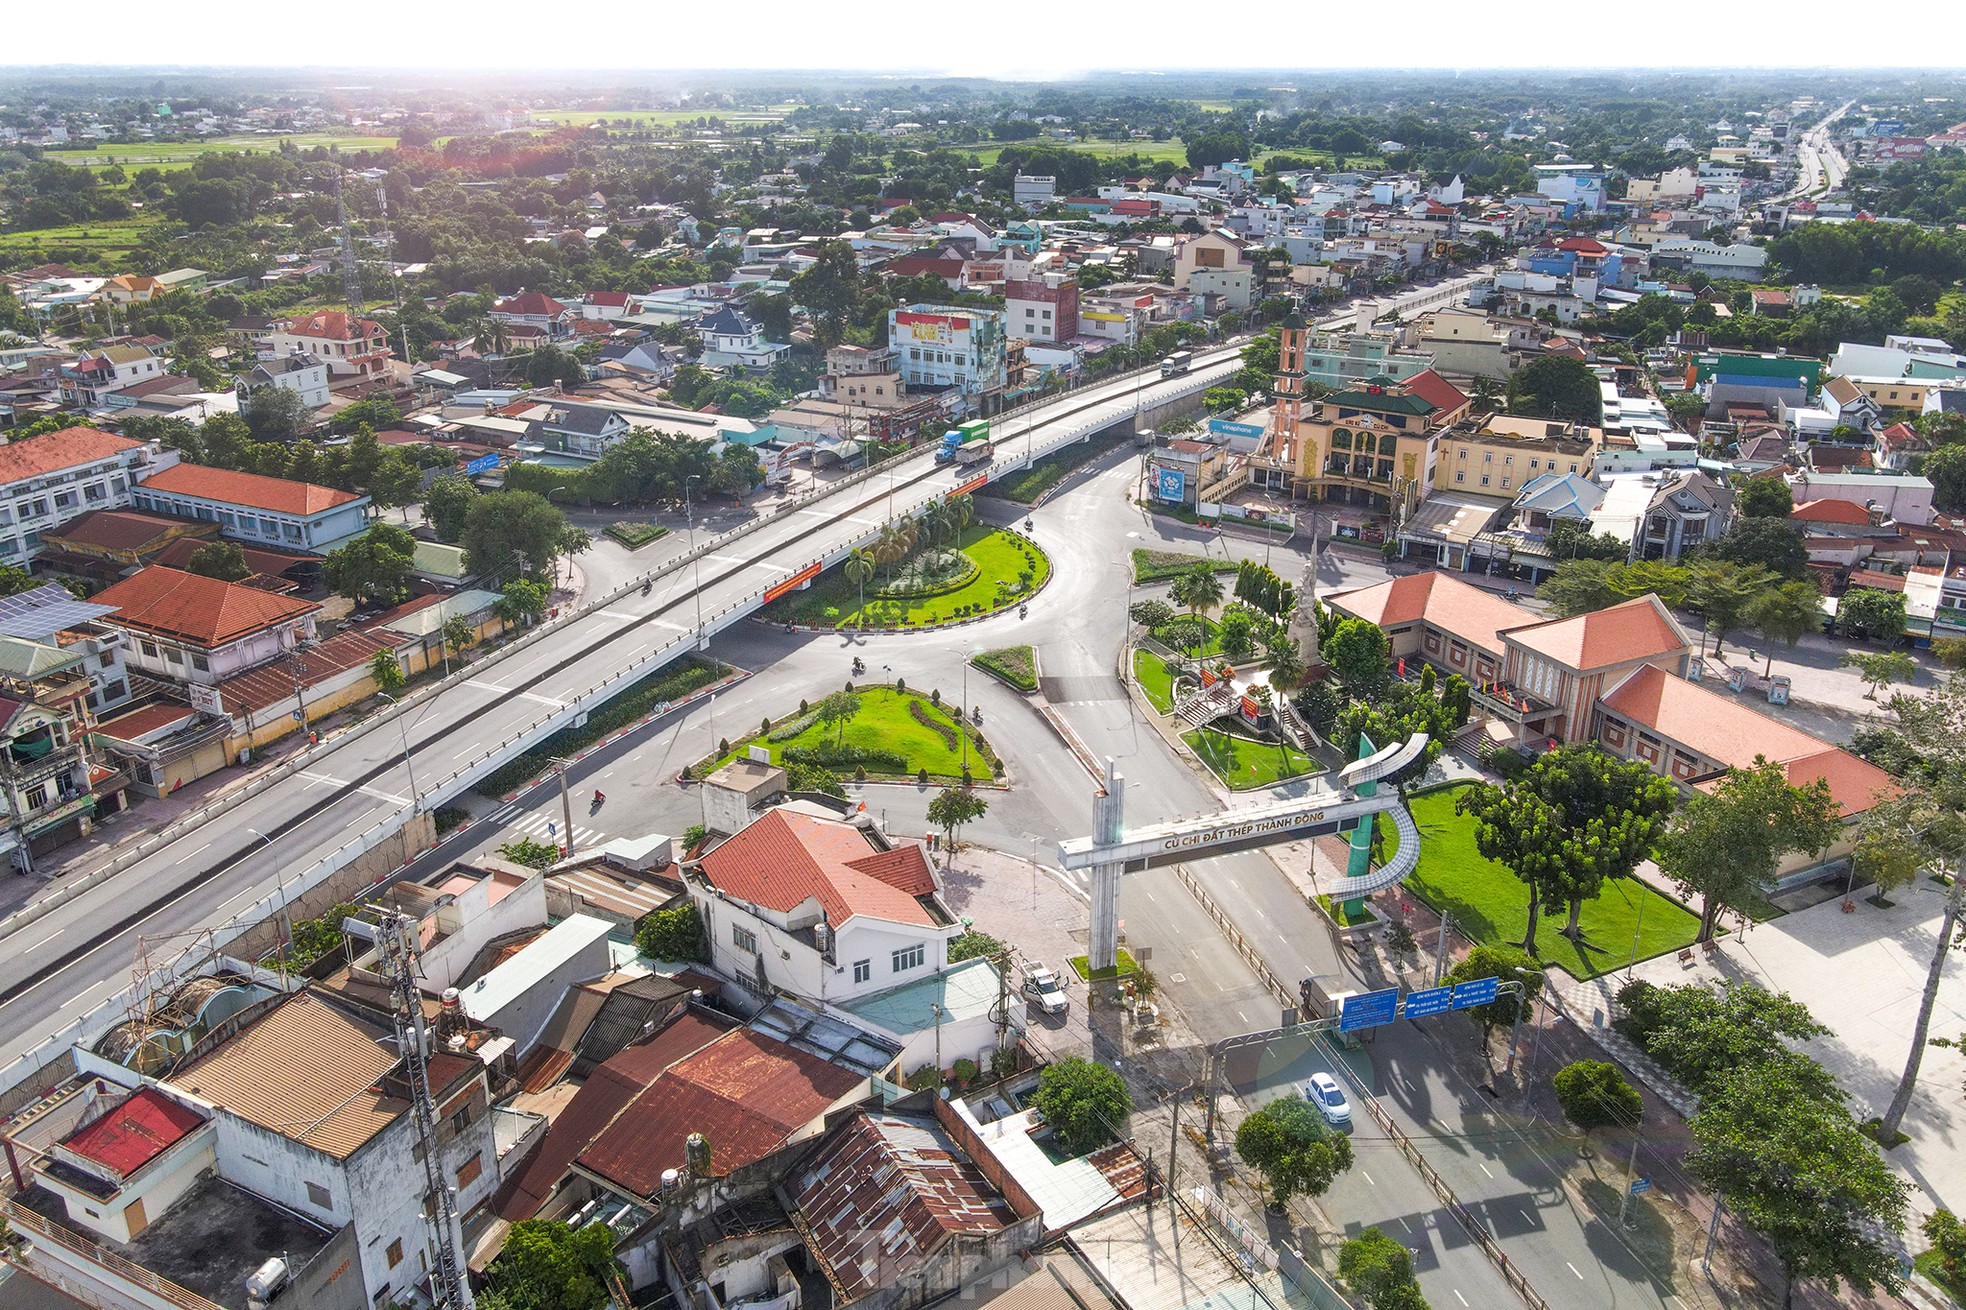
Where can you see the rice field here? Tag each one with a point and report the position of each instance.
(109, 240)
(132, 155)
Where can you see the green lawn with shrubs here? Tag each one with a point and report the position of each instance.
(1008, 568)
(897, 734)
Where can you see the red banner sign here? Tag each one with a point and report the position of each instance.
(974, 484)
(793, 583)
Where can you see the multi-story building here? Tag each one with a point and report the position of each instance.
(1339, 360)
(1374, 444)
(351, 347)
(940, 349)
(1043, 307)
(304, 375)
(1032, 191)
(47, 480)
(1499, 454)
(45, 767)
(97, 374)
(858, 376)
(296, 516)
(537, 310)
(732, 341)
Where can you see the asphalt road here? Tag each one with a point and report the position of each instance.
(1498, 1165)
(59, 967)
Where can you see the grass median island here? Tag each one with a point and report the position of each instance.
(1015, 665)
(635, 535)
(1026, 485)
(1155, 678)
(1490, 904)
(894, 735)
(1245, 764)
(672, 682)
(1001, 568)
(1164, 565)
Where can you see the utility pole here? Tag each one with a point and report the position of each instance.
(1631, 1176)
(1440, 949)
(566, 802)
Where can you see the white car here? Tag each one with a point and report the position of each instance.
(1323, 1092)
(1041, 986)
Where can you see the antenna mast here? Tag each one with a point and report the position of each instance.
(395, 938)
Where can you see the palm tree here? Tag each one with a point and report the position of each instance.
(897, 538)
(858, 568)
(1286, 661)
(1485, 395)
(960, 511)
(1200, 591)
(934, 519)
(489, 337)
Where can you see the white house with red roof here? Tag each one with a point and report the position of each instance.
(195, 629)
(538, 311)
(250, 507)
(824, 909)
(351, 347)
(47, 480)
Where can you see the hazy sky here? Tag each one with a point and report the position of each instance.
(990, 40)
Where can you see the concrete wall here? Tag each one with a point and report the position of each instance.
(344, 884)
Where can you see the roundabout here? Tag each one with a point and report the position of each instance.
(916, 578)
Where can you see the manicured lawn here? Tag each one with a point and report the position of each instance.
(1490, 904)
(1933, 1267)
(1082, 966)
(636, 535)
(1155, 679)
(1016, 665)
(999, 556)
(1244, 764)
(1149, 151)
(1337, 911)
(1160, 565)
(885, 723)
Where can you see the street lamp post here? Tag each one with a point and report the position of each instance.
(696, 562)
(409, 764)
(286, 916)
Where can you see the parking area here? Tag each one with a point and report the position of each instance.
(1042, 916)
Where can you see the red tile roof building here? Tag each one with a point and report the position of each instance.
(252, 508)
(189, 610)
(132, 1134)
(351, 347)
(96, 471)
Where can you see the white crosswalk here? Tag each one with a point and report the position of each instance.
(535, 826)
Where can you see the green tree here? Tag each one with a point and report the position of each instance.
(1362, 657)
(1198, 591)
(675, 934)
(514, 533)
(1773, 543)
(446, 503)
(1558, 386)
(859, 569)
(223, 560)
(952, 808)
(523, 601)
(1380, 1269)
(1785, 613)
(1723, 592)
(277, 414)
(387, 671)
(836, 711)
(1593, 1094)
(459, 634)
(1764, 498)
(1703, 1034)
(971, 944)
(1288, 1142)
(1509, 964)
(548, 1265)
(1728, 840)
(1085, 1104)
(1879, 669)
(1151, 614)
(1946, 467)
(1570, 539)
(1574, 818)
(1236, 633)
(1868, 612)
(375, 566)
(394, 482)
(1796, 1168)
(1285, 660)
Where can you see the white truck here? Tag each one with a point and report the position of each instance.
(1042, 989)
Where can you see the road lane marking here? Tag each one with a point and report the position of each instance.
(50, 937)
(767, 564)
(729, 559)
(538, 699)
(487, 686)
(240, 897)
(1369, 1178)
(623, 615)
(1484, 1169)
(1527, 1218)
(1458, 1297)
(312, 776)
(1573, 1269)
(192, 854)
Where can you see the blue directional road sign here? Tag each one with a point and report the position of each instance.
(1433, 1000)
(482, 464)
(1640, 1185)
(1368, 1009)
(1480, 991)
